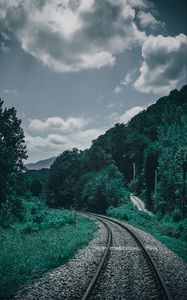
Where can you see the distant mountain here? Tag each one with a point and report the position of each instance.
(41, 164)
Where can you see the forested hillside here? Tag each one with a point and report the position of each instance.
(147, 156)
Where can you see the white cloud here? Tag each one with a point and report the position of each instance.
(57, 124)
(115, 117)
(115, 104)
(117, 90)
(129, 77)
(99, 99)
(139, 3)
(148, 20)
(164, 63)
(74, 34)
(11, 92)
(5, 36)
(53, 144)
(54, 135)
(130, 113)
(4, 48)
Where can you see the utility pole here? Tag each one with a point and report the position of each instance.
(183, 193)
(156, 177)
(134, 170)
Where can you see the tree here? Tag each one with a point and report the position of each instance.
(172, 162)
(150, 167)
(64, 176)
(103, 188)
(12, 150)
(36, 187)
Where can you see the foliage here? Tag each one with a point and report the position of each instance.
(153, 142)
(104, 188)
(35, 181)
(63, 177)
(172, 163)
(12, 150)
(26, 253)
(172, 234)
(86, 180)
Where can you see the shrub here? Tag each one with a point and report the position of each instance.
(39, 217)
(176, 215)
(17, 208)
(6, 217)
(29, 228)
(56, 223)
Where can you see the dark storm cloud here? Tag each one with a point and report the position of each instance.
(72, 35)
(164, 63)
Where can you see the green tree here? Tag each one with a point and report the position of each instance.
(36, 187)
(172, 163)
(150, 167)
(64, 176)
(104, 188)
(12, 150)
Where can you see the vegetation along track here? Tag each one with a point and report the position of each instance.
(150, 274)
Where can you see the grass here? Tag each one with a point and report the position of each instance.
(171, 234)
(29, 250)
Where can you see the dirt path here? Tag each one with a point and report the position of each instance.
(139, 204)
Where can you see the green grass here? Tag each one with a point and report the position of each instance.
(27, 254)
(172, 234)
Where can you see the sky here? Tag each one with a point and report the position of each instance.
(74, 68)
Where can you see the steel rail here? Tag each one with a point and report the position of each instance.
(147, 254)
(102, 261)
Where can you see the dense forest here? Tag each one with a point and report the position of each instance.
(147, 157)
(39, 229)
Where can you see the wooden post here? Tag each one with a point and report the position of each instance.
(183, 193)
(75, 217)
(134, 170)
(156, 176)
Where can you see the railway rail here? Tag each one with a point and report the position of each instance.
(162, 290)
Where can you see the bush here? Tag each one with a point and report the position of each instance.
(39, 217)
(6, 217)
(176, 215)
(17, 208)
(29, 228)
(12, 210)
(38, 211)
(56, 223)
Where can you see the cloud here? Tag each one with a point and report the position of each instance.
(140, 3)
(72, 35)
(164, 63)
(147, 20)
(128, 77)
(53, 144)
(5, 36)
(11, 92)
(56, 134)
(115, 117)
(4, 48)
(115, 104)
(117, 90)
(130, 113)
(99, 99)
(57, 124)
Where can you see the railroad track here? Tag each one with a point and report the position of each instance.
(149, 266)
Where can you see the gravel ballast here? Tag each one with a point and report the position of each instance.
(125, 275)
(69, 281)
(172, 268)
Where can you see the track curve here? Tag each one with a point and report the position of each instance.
(161, 290)
(102, 261)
